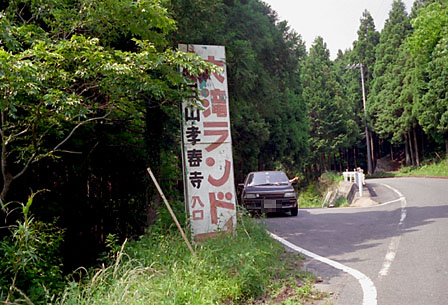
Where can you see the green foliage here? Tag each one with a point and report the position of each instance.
(430, 26)
(329, 119)
(31, 260)
(79, 80)
(432, 109)
(432, 167)
(112, 248)
(364, 52)
(198, 22)
(428, 168)
(60, 69)
(386, 104)
(270, 102)
(264, 57)
(159, 269)
(428, 44)
(330, 178)
(341, 202)
(314, 193)
(311, 196)
(409, 76)
(90, 93)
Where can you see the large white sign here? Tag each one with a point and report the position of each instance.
(207, 151)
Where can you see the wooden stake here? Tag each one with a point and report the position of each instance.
(171, 211)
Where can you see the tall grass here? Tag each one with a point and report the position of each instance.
(313, 195)
(159, 269)
(431, 168)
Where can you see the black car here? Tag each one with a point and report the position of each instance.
(269, 191)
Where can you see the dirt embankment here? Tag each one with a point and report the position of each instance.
(386, 164)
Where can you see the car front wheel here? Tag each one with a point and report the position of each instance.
(295, 211)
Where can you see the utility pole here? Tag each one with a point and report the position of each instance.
(369, 155)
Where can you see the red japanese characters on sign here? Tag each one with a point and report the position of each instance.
(207, 151)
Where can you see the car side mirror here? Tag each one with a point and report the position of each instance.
(295, 182)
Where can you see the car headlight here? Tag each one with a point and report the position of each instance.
(251, 196)
(290, 194)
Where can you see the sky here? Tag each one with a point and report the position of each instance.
(337, 21)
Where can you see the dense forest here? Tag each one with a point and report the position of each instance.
(91, 94)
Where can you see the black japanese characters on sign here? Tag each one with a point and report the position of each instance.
(196, 179)
(207, 156)
(193, 133)
(192, 114)
(194, 157)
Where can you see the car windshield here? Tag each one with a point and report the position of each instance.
(267, 178)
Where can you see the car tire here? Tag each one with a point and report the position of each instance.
(294, 211)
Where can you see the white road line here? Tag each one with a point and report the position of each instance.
(393, 189)
(395, 241)
(390, 256)
(368, 288)
(392, 201)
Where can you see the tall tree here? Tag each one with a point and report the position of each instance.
(352, 95)
(428, 44)
(326, 113)
(263, 59)
(363, 53)
(385, 107)
(364, 48)
(76, 79)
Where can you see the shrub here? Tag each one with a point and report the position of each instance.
(313, 194)
(159, 269)
(31, 262)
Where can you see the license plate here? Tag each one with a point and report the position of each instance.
(270, 204)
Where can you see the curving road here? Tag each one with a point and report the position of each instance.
(401, 245)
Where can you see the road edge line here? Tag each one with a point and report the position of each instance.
(368, 288)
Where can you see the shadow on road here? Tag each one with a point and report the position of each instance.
(332, 232)
(362, 238)
(285, 214)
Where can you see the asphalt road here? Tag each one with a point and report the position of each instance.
(401, 245)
